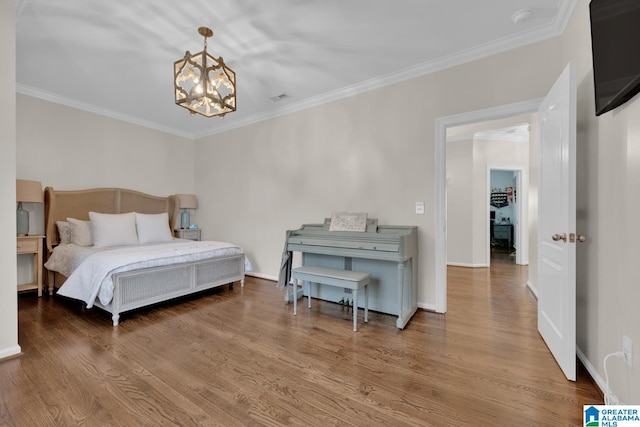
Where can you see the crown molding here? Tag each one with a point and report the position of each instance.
(531, 36)
(556, 28)
(58, 99)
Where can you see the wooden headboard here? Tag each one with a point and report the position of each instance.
(60, 205)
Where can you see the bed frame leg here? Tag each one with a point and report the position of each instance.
(242, 283)
(116, 319)
(51, 281)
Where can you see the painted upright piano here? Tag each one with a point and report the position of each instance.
(389, 253)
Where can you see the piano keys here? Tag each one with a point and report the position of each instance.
(389, 253)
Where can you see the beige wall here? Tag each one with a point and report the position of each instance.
(97, 151)
(473, 252)
(494, 154)
(8, 302)
(460, 212)
(467, 204)
(355, 154)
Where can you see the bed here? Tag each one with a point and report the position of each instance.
(178, 267)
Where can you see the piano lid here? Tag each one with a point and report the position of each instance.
(389, 239)
(373, 231)
(366, 244)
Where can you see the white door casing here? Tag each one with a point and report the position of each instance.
(440, 218)
(557, 216)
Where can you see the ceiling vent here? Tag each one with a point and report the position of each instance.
(280, 97)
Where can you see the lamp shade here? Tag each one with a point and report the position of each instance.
(187, 201)
(29, 191)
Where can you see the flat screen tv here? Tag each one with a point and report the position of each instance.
(615, 42)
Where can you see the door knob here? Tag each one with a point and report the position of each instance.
(556, 237)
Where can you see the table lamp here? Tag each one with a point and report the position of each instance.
(186, 202)
(26, 192)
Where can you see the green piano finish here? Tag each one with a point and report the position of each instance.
(389, 253)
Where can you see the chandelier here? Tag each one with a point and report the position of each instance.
(204, 84)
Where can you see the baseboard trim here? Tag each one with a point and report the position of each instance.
(591, 370)
(10, 352)
(428, 307)
(533, 290)
(262, 276)
(463, 264)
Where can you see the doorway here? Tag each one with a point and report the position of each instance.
(442, 126)
(475, 153)
(554, 244)
(508, 196)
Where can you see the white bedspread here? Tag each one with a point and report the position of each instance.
(89, 269)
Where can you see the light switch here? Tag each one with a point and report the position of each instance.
(419, 208)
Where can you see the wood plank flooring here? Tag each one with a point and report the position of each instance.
(240, 358)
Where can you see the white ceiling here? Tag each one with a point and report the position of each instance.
(115, 57)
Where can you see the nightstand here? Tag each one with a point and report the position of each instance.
(32, 245)
(187, 233)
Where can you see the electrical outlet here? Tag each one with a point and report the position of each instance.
(627, 349)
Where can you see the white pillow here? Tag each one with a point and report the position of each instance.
(113, 229)
(153, 227)
(64, 232)
(80, 232)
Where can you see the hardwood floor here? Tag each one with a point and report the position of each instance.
(240, 357)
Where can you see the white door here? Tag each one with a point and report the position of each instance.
(557, 222)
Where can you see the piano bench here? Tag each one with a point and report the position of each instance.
(353, 280)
